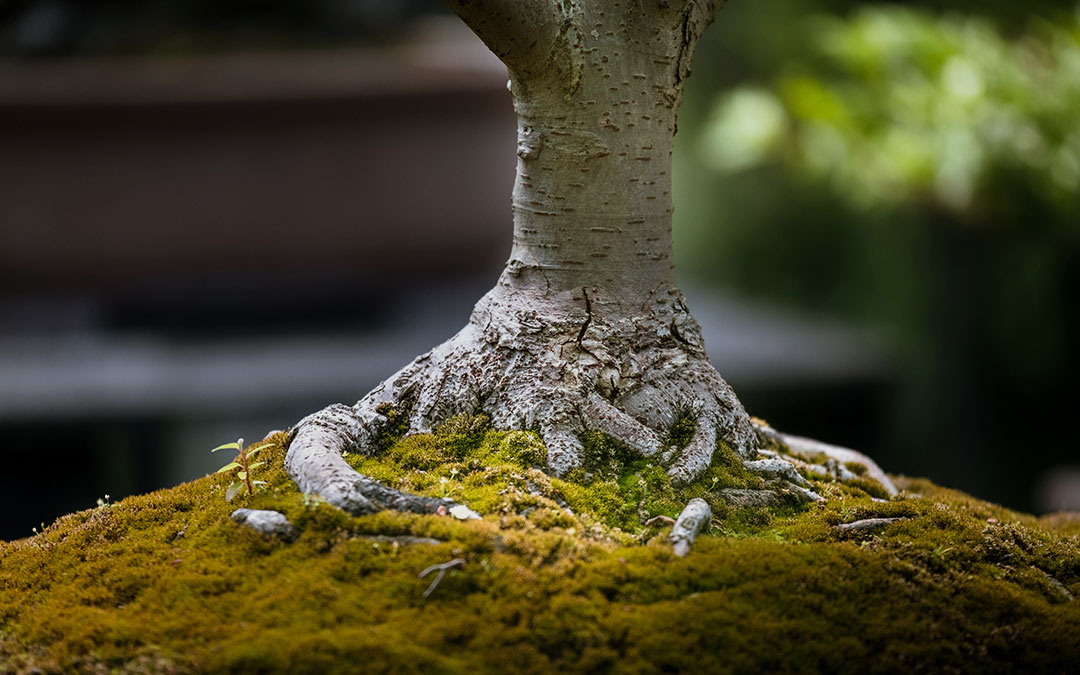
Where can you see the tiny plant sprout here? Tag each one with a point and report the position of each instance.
(243, 466)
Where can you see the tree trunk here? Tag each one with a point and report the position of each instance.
(586, 328)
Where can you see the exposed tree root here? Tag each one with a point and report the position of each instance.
(560, 363)
(315, 462)
(808, 447)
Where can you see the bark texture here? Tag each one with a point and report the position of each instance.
(693, 520)
(586, 327)
(267, 523)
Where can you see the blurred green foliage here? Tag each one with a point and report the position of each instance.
(896, 106)
(917, 174)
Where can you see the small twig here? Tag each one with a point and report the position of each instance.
(695, 518)
(181, 533)
(666, 520)
(866, 524)
(442, 572)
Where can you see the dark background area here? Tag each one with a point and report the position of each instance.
(217, 217)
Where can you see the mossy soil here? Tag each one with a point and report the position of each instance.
(558, 575)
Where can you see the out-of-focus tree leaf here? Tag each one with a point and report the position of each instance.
(896, 105)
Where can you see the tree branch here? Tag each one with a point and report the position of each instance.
(695, 17)
(522, 33)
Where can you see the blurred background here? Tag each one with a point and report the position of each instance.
(219, 216)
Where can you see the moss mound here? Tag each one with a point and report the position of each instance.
(560, 574)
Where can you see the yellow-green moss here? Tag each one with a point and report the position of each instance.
(166, 582)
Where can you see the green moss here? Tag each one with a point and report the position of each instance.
(166, 582)
(623, 490)
(855, 468)
(682, 430)
(870, 487)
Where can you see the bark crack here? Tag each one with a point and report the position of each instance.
(585, 326)
(588, 317)
(677, 335)
(695, 18)
(686, 40)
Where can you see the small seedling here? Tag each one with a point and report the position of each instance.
(394, 548)
(941, 551)
(243, 466)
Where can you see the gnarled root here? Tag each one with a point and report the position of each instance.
(560, 363)
(315, 462)
(809, 448)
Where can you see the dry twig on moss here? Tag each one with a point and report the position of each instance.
(442, 573)
(694, 519)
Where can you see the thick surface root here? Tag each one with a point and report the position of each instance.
(559, 363)
(770, 439)
(315, 462)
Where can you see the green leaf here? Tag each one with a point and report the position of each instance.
(252, 466)
(259, 482)
(228, 446)
(242, 475)
(228, 467)
(233, 489)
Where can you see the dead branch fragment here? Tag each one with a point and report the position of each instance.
(441, 568)
(866, 525)
(694, 519)
(656, 520)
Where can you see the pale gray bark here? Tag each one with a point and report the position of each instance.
(810, 446)
(866, 524)
(586, 328)
(695, 518)
(266, 523)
